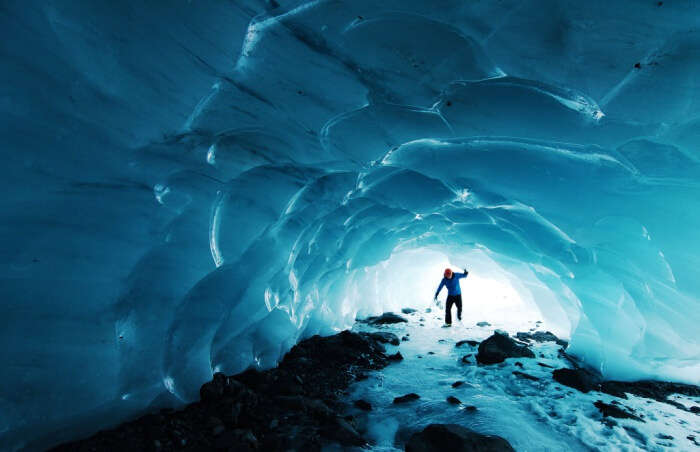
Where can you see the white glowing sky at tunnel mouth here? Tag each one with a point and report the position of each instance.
(408, 279)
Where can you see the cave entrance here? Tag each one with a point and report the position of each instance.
(409, 278)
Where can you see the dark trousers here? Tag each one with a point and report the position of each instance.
(453, 299)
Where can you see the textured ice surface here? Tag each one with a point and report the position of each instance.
(191, 186)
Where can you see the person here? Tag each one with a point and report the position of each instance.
(454, 293)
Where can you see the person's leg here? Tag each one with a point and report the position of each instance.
(448, 310)
(458, 302)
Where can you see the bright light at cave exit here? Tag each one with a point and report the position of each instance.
(410, 278)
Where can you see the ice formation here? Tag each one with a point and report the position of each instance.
(194, 186)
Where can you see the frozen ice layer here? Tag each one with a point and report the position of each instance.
(193, 187)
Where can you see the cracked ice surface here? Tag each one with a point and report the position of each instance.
(191, 186)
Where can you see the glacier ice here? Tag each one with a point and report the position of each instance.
(194, 186)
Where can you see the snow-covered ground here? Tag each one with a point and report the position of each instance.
(531, 415)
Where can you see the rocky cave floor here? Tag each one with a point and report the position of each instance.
(402, 382)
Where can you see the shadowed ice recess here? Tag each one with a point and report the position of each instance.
(191, 187)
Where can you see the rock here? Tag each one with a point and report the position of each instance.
(408, 310)
(431, 353)
(498, 347)
(385, 338)
(407, 398)
(662, 436)
(469, 342)
(238, 439)
(210, 392)
(363, 405)
(214, 389)
(453, 400)
(454, 438)
(517, 373)
(288, 407)
(318, 409)
(545, 365)
(457, 384)
(465, 359)
(395, 357)
(470, 408)
(540, 336)
(483, 324)
(386, 318)
(695, 409)
(428, 310)
(404, 339)
(519, 364)
(580, 379)
(343, 432)
(288, 386)
(611, 410)
(651, 389)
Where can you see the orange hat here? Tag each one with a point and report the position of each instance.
(448, 273)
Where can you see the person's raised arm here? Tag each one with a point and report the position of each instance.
(462, 275)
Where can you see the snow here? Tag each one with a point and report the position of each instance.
(194, 186)
(531, 415)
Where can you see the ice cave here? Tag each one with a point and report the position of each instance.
(193, 187)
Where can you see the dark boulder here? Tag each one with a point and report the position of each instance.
(453, 400)
(540, 336)
(469, 342)
(580, 379)
(457, 384)
(363, 405)
(395, 357)
(451, 437)
(213, 390)
(385, 338)
(408, 310)
(651, 389)
(386, 318)
(407, 398)
(343, 432)
(517, 373)
(498, 347)
(483, 324)
(608, 409)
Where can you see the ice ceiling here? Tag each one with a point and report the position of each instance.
(191, 186)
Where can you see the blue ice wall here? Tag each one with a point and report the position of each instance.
(190, 186)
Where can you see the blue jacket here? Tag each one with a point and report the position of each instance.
(452, 284)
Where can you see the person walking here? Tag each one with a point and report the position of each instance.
(454, 293)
